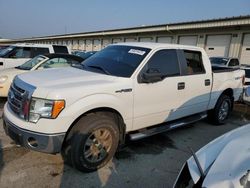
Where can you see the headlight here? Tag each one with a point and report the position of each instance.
(43, 108)
(3, 79)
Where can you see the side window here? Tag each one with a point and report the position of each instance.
(164, 61)
(60, 49)
(56, 63)
(39, 51)
(234, 62)
(20, 52)
(194, 62)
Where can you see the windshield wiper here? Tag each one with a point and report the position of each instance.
(22, 68)
(99, 68)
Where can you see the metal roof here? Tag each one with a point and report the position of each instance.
(209, 23)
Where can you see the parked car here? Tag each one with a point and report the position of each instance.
(225, 62)
(37, 63)
(246, 68)
(86, 55)
(3, 47)
(224, 162)
(18, 54)
(123, 91)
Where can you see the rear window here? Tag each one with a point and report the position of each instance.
(60, 49)
(39, 51)
(194, 62)
(218, 60)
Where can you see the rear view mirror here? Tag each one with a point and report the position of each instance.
(150, 76)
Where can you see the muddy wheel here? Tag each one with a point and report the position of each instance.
(93, 141)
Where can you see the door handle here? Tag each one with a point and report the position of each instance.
(207, 82)
(181, 85)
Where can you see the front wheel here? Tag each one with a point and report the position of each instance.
(93, 142)
(221, 110)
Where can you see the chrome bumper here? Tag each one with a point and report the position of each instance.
(47, 143)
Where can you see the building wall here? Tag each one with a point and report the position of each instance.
(226, 37)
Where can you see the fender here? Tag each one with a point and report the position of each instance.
(101, 100)
(220, 87)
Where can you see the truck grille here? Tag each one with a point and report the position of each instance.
(17, 99)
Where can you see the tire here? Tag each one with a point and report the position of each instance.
(221, 111)
(92, 142)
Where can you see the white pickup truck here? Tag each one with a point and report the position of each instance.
(130, 90)
(17, 54)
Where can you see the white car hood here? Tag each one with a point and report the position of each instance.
(57, 77)
(228, 158)
(62, 82)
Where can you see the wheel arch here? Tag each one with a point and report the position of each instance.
(229, 92)
(117, 116)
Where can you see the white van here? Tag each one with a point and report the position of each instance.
(18, 54)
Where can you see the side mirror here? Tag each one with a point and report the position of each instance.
(150, 76)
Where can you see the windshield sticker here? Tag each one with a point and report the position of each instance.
(138, 52)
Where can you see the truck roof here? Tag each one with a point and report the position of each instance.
(153, 45)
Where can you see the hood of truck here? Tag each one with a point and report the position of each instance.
(61, 80)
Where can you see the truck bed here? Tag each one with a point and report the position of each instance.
(224, 77)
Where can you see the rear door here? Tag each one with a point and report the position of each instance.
(197, 80)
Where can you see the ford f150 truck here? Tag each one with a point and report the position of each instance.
(129, 90)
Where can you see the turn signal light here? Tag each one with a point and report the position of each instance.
(57, 108)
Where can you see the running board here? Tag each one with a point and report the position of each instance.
(166, 126)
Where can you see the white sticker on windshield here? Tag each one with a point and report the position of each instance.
(138, 52)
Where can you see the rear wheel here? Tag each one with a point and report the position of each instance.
(221, 110)
(93, 141)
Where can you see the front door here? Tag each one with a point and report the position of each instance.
(155, 102)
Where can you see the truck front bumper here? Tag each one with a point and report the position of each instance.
(47, 143)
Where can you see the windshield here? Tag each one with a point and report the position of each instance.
(116, 60)
(219, 61)
(5, 51)
(31, 63)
